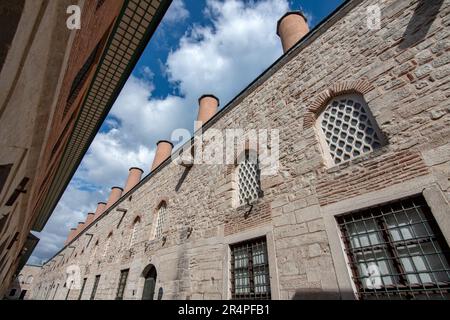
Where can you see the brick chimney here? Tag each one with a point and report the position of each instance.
(291, 28)
(100, 208)
(89, 219)
(133, 178)
(72, 234)
(80, 228)
(208, 105)
(116, 193)
(163, 151)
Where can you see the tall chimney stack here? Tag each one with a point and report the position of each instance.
(291, 28)
(100, 208)
(208, 105)
(116, 193)
(89, 219)
(72, 234)
(133, 178)
(163, 151)
(79, 228)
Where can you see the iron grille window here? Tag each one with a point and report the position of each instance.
(349, 128)
(161, 220)
(250, 270)
(94, 288)
(248, 179)
(122, 284)
(397, 251)
(82, 288)
(80, 78)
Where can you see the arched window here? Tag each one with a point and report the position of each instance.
(249, 187)
(30, 279)
(347, 129)
(134, 231)
(20, 278)
(107, 244)
(160, 221)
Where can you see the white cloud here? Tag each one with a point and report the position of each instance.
(177, 12)
(224, 57)
(221, 58)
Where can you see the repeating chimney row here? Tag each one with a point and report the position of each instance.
(291, 28)
(163, 151)
(134, 176)
(208, 106)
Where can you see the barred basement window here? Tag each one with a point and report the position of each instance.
(248, 179)
(397, 251)
(122, 284)
(250, 270)
(161, 220)
(348, 129)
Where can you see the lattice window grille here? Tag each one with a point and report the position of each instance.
(134, 233)
(160, 221)
(348, 128)
(248, 180)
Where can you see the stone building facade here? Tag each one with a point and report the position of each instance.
(359, 205)
(53, 95)
(20, 287)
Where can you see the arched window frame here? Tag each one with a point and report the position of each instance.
(347, 145)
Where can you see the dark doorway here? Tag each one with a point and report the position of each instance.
(22, 294)
(150, 282)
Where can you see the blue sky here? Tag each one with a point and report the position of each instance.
(201, 46)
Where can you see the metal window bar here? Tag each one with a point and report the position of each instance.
(250, 278)
(122, 284)
(94, 288)
(397, 251)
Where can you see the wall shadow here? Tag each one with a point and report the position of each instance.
(319, 294)
(420, 23)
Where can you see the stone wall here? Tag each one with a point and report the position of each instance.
(404, 77)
